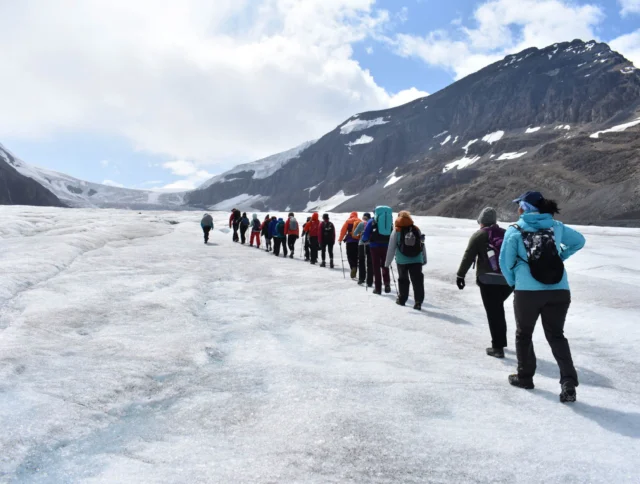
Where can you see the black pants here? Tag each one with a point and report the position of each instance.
(365, 264)
(352, 254)
(267, 242)
(307, 248)
(291, 242)
(413, 272)
(235, 231)
(552, 306)
(313, 249)
(206, 231)
(243, 234)
(327, 248)
(277, 243)
(493, 298)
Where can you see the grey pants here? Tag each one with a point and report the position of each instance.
(552, 307)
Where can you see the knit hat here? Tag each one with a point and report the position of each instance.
(366, 215)
(488, 216)
(325, 216)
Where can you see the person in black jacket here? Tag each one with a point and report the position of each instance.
(493, 286)
(244, 226)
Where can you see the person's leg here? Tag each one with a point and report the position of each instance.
(307, 249)
(258, 239)
(276, 246)
(330, 250)
(369, 266)
(377, 264)
(243, 235)
(362, 263)
(493, 301)
(403, 282)
(323, 251)
(527, 306)
(284, 246)
(382, 254)
(314, 250)
(417, 281)
(235, 232)
(554, 315)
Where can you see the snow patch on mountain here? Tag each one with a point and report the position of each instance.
(565, 126)
(329, 204)
(447, 139)
(262, 168)
(362, 140)
(360, 124)
(493, 137)
(616, 129)
(461, 163)
(243, 201)
(393, 179)
(511, 156)
(466, 147)
(532, 130)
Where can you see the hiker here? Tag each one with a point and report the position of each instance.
(264, 229)
(207, 226)
(244, 226)
(377, 234)
(292, 231)
(256, 226)
(279, 239)
(327, 239)
(307, 246)
(532, 259)
(314, 233)
(347, 236)
(483, 250)
(406, 244)
(272, 233)
(234, 221)
(365, 262)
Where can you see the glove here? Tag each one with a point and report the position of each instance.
(460, 283)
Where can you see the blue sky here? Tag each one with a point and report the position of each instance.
(152, 94)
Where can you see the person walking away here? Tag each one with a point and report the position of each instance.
(347, 236)
(255, 231)
(280, 239)
(273, 225)
(265, 233)
(234, 221)
(207, 226)
(292, 231)
(377, 234)
(327, 239)
(307, 245)
(532, 259)
(407, 245)
(365, 263)
(483, 250)
(314, 233)
(244, 226)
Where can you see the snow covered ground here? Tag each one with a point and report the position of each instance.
(132, 352)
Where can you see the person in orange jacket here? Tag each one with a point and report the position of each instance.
(352, 241)
(313, 230)
(292, 231)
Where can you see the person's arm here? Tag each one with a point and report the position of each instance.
(343, 232)
(508, 256)
(572, 241)
(231, 220)
(391, 250)
(470, 255)
(286, 226)
(320, 232)
(366, 234)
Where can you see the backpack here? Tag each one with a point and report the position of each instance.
(328, 232)
(542, 255)
(351, 231)
(383, 217)
(256, 225)
(293, 224)
(496, 237)
(410, 242)
(237, 215)
(280, 229)
(244, 222)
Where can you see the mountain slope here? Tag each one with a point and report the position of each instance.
(17, 189)
(78, 193)
(525, 115)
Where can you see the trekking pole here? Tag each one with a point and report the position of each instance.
(342, 258)
(394, 281)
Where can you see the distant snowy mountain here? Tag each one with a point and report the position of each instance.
(78, 193)
(563, 119)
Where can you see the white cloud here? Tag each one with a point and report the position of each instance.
(212, 81)
(112, 183)
(191, 173)
(406, 96)
(629, 7)
(502, 27)
(369, 50)
(104, 163)
(629, 45)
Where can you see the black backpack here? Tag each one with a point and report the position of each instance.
(410, 242)
(376, 237)
(542, 255)
(328, 231)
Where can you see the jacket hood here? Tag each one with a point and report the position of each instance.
(536, 221)
(404, 220)
(255, 216)
(280, 220)
(314, 217)
(353, 215)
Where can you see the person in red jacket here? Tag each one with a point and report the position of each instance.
(292, 232)
(327, 239)
(234, 221)
(314, 232)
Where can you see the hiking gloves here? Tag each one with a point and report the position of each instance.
(460, 283)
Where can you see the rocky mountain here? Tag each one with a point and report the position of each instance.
(57, 189)
(564, 119)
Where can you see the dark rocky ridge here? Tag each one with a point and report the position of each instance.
(584, 85)
(17, 189)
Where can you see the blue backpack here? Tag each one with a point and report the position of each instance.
(384, 220)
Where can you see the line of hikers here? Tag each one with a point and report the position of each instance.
(527, 260)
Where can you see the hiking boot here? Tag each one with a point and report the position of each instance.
(354, 273)
(568, 393)
(313, 263)
(360, 283)
(516, 381)
(400, 302)
(369, 285)
(377, 292)
(417, 306)
(495, 352)
(331, 265)
(306, 259)
(291, 256)
(323, 264)
(387, 289)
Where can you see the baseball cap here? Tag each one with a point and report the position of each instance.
(532, 198)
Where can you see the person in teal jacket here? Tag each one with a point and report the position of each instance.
(534, 299)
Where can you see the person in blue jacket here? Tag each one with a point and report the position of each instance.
(272, 229)
(538, 229)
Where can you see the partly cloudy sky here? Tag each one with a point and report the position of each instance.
(160, 93)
